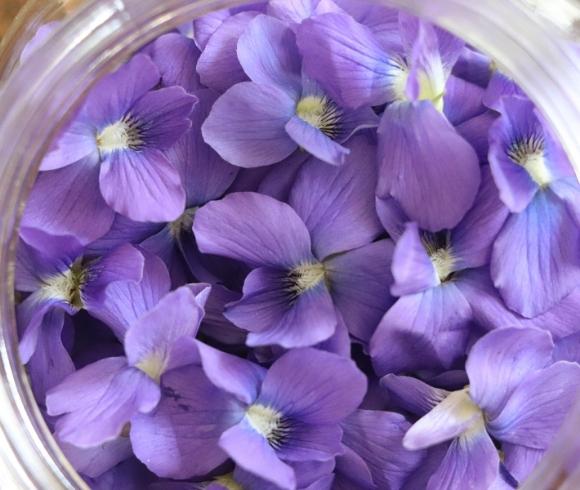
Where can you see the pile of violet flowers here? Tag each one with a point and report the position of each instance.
(306, 245)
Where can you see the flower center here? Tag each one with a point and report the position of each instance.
(269, 423)
(122, 135)
(183, 224)
(228, 482)
(444, 263)
(305, 277)
(529, 153)
(68, 285)
(153, 365)
(322, 113)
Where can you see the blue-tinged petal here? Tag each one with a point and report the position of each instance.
(316, 142)
(538, 406)
(427, 330)
(143, 186)
(337, 204)
(268, 54)
(275, 313)
(180, 438)
(501, 360)
(246, 125)
(253, 228)
(535, 261)
(61, 201)
(348, 61)
(413, 271)
(412, 394)
(218, 66)
(471, 461)
(453, 417)
(377, 437)
(426, 165)
(473, 238)
(359, 282)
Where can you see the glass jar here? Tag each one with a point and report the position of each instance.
(532, 41)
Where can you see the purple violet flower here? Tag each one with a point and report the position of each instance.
(263, 121)
(310, 258)
(253, 415)
(536, 258)
(516, 395)
(110, 157)
(98, 401)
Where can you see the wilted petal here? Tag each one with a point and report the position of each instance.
(253, 228)
(246, 125)
(337, 204)
(501, 360)
(143, 186)
(537, 407)
(426, 165)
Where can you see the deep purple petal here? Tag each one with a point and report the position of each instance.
(61, 201)
(359, 282)
(253, 453)
(473, 238)
(351, 472)
(235, 375)
(311, 442)
(537, 407)
(268, 54)
(337, 204)
(474, 67)
(421, 331)
(535, 261)
(218, 66)
(174, 55)
(252, 228)
(143, 186)
(246, 125)
(325, 387)
(348, 61)
(501, 360)
(471, 462)
(426, 165)
(272, 315)
(413, 270)
(180, 439)
(377, 437)
(413, 395)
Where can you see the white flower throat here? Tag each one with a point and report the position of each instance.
(322, 113)
(305, 277)
(439, 249)
(269, 423)
(68, 285)
(122, 135)
(530, 154)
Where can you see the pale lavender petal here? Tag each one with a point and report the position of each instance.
(359, 282)
(218, 66)
(422, 331)
(253, 228)
(377, 437)
(175, 54)
(568, 348)
(273, 315)
(278, 182)
(545, 239)
(326, 388)
(462, 101)
(292, 11)
(537, 407)
(253, 453)
(316, 142)
(61, 201)
(500, 86)
(413, 271)
(412, 394)
(337, 204)
(426, 165)
(501, 360)
(143, 186)
(95, 461)
(76, 143)
(348, 61)
(471, 462)
(206, 25)
(129, 475)
(246, 125)
(180, 438)
(473, 238)
(520, 460)
(268, 54)
(239, 377)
